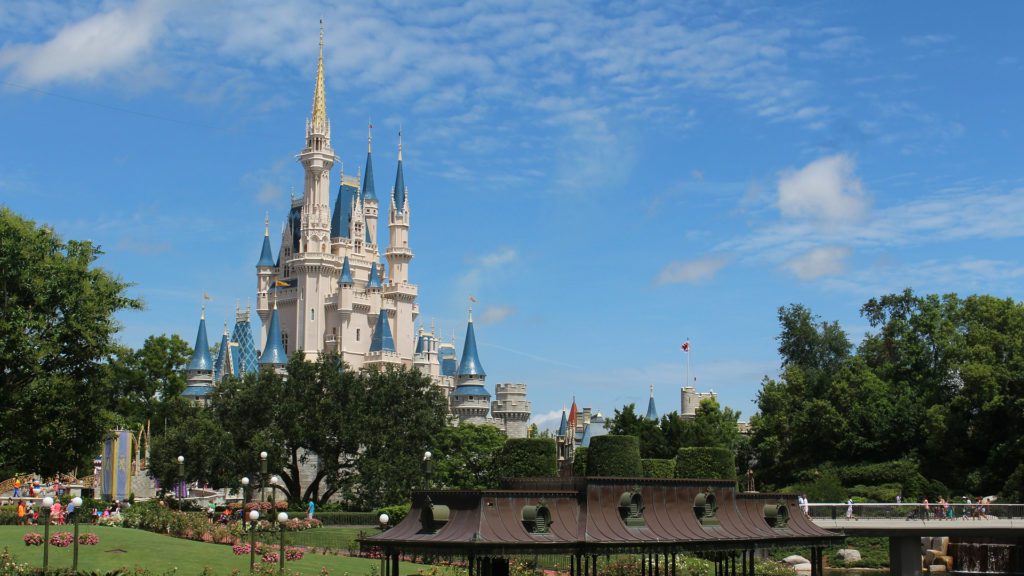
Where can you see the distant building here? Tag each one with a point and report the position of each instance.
(691, 400)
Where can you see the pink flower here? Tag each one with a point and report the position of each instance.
(33, 539)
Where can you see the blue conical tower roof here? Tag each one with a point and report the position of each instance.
(266, 255)
(374, 281)
(342, 210)
(222, 366)
(399, 191)
(369, 193)
(274, 353)
(201, 360)
(382, 340)
(585, 441)
(345, 279)
(652, 412)
(563, 428)
(470, 364)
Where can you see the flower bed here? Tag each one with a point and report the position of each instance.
(88, 539)
(33, 539)
(62, 539)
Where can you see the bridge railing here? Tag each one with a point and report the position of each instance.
(915, 511)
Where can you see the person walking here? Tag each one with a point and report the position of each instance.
(55, 513)
(21, 512)
(849, 509)
(312, 509)
(17, 487)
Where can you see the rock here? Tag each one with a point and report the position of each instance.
(796, 559)
(940, 543)
(930, 556)
(805, 567)
(936, 568)
(848, 555)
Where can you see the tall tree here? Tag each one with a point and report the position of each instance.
(464, 456)
(144, 380)
(57, 327)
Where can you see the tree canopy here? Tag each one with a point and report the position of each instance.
(57, 327)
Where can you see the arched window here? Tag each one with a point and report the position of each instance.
(537, 519)
(776, 515)
(705, 507)
(631, 508)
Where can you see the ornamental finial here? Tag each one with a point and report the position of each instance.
(266, 224)
(399, 143)
(369, 136)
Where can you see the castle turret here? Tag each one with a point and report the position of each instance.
(470, 401)
(652, 412)
(199, 374)
(264, 279)
(275, 355)
(382, 344)
(369, 192)
(512, 409)
(248, 359)
(225, 365)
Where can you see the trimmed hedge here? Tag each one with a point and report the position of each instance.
(526, 458)
(706, 462)
(347, 518)
(396, 513)
(579, 462)
(659, 467)
(613, 455)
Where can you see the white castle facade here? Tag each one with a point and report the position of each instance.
(335, 287)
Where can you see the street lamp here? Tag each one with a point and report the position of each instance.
(282, 517)
(254, 515)
(428, 466)
(383, 521)
(181, 480)
(47, 504)
(245, 491)
(77, 501)
(263, 475)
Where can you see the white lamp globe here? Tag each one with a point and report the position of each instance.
(254, 515)
(263, 455)
(47, 502)
(245, 480)
(181, 459)
(275, 479)
(77, 502)
(282, 517)
(383, 519)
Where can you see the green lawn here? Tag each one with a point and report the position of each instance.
(330, 537)
(125, 547)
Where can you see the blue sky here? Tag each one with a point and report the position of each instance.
(608, 179)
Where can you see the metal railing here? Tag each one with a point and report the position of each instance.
(916, 511)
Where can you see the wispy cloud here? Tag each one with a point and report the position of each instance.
(691, 271)
(927, 40)
(826, 189)
(495, 314)
(818, 262)
(483, 266)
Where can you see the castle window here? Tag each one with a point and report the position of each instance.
(357, 334)
(631, 508)
(284, 340)
(312, 313)
(705, 508)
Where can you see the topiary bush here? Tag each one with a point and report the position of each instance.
(579, 462)
(526, 458)
(659, 467)
(706, 462)
(613, 455)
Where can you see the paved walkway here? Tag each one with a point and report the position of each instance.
(900, 527)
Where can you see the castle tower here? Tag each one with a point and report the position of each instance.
(264, 278)
(382, 344)
(652, 412)
(314, 269)
(199, 374)
(248, 359)
(690, 400)
(369, 192)
(225, 365)
(274, 355)
(398, 290)
(470, 401)
(512, 409)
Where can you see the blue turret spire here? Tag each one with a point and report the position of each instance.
(398, 195)
(563, 428)
(201, 361)
(273, 353)
(470, 364)
(223, 366)
(266, 255)
(374, 281)
(346, 274)
(652, 412)
(369, 193)
(382, 340)
(585, 441)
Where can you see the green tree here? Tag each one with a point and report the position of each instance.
(627, 422)
(57, 327)
(464, 456)
(209, 452)
(143, 381)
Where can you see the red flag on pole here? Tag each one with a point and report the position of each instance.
(686, 346)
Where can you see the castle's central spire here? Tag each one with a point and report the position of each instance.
(319, 117)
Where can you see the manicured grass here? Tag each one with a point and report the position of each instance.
(125, 547)
(331, 537)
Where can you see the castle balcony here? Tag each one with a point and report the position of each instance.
(402, 291)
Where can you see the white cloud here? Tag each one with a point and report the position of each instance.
(495, 314)
(822, 261)
(691, 271)
(826, 189)
(547, 420)
(499, 257)
(87, 50)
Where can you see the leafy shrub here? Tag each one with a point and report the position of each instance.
(613, 455)
(706, 462)
(579, 461)
(526, 458)
(395, 513)
(904, 472)
(659, 467)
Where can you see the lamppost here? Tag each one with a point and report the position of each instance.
(245, 495)
(383, 521)
(263, 475)
(428, 466)
(254, 515)
(47, 504)
(282, 517)
(181, 480)
(77, 501)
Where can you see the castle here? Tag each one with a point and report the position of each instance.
(329, 290)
